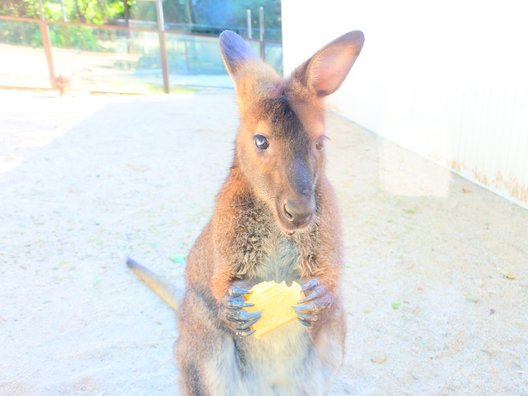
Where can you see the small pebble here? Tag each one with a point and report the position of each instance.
(379, 359)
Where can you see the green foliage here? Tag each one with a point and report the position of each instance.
(205, 16)
(272, 14)
(91, 11)
(19, 8)
(198, 16)
(22, 33)
(82, 38)
(28, 33)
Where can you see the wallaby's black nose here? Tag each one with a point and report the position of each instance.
(299, 213)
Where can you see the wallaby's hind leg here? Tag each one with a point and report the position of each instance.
(190, 381)
(329, 347)
(200, 343)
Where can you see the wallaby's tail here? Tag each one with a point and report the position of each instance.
(170, 295)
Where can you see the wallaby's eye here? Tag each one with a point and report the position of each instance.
(261, 142)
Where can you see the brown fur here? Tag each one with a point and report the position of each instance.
(62, 84)
(247, 229)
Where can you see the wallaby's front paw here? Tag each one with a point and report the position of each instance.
(232, 312)
(315, 303)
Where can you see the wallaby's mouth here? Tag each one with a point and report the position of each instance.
(290, 230)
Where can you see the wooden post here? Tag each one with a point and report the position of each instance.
(163, 46)
(46, 44)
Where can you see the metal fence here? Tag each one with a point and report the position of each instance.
(138, 57)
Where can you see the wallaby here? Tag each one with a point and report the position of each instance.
(275, 218)
(62, 84)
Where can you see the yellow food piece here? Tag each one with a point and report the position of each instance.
(275, 301)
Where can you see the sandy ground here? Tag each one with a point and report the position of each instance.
(435, 281)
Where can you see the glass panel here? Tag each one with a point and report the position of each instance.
(116, 60)
(22, 58)
(195, 61)
(107, 60)
(273, 55)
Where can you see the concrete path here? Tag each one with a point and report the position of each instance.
(436, 277)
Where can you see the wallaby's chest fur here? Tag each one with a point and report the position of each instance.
(281, 263)
(261, 251)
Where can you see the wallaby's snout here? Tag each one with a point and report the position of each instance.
(298, 205)
(295, 203)
(299, 212)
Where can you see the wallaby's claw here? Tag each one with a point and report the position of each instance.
(317, 300)
(310, 284)
(242, 316)
(233, 314)
(310, 307)
(306, 313)
(306, 323)
(240, 321)
(316, 292)
(307, 317)
(246, 325)
(245, 333)
(237, 303)
(237, 291)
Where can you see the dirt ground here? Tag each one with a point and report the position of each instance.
(435, 280)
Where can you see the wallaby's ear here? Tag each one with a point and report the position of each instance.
(235, 52)
(324, 72)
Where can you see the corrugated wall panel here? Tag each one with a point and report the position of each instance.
(448, 80)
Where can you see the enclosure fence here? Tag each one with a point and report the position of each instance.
(139, 57)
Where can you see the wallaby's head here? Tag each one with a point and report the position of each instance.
(280, 144)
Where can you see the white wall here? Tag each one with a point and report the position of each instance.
(447, 79)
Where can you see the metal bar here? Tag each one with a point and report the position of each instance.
(103, 27)
(163, 46)
(249, 27)
(186, 46)
(111, 27)
(82, 24)
(261, 34)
